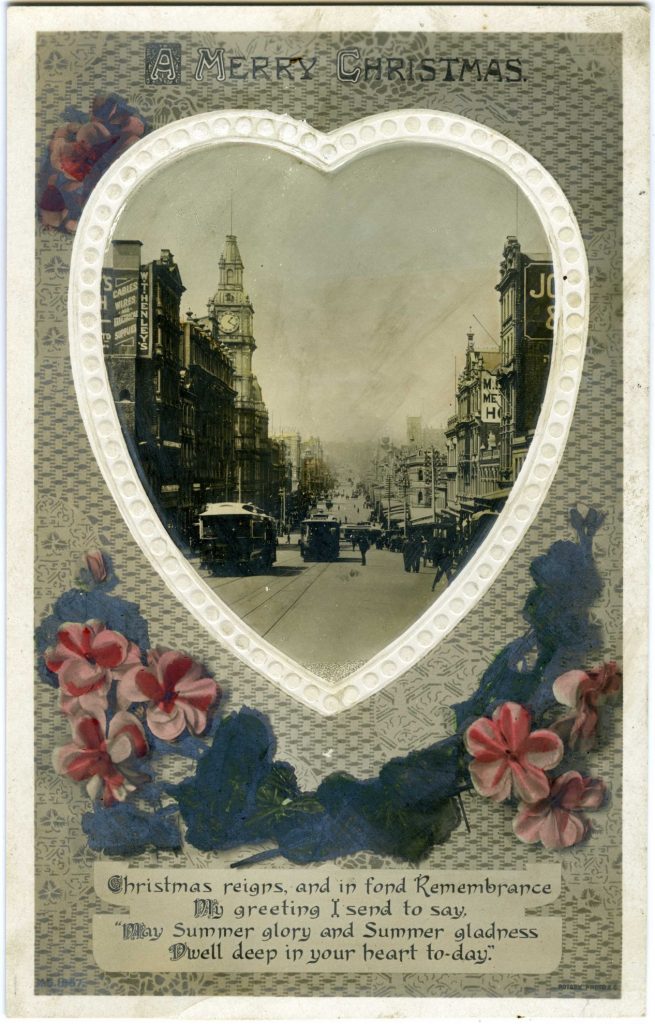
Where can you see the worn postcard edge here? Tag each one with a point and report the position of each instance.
(24, 23)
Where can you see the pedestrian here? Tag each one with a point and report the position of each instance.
(288, 535)
(424, 551)
(363, 546)
(354, 539)
(415, 554)
(407, 554)
(445, 567)
(437, 547)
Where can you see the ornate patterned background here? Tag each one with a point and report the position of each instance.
(572, 90)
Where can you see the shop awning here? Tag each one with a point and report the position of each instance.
(424, 519)
(493, 496)
(485, 513)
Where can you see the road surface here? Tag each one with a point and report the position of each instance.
(329, 616)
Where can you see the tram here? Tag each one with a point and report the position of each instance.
(371, 531)
(240, 537)
(319, 538)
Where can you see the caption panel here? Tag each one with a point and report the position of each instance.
(443, 922)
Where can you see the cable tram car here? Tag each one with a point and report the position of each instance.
(237, 536)
(319, 538)
(371, 531)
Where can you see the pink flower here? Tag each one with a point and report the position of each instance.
(584, 692)
(52, 205)
(96, 758)
(85, 658)
(95, 563)
(508, 757)
(78, 153)
(552, 821)
(179, 694)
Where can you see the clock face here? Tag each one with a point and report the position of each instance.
(228, 323)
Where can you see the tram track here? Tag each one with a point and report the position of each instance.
(268, 582)
(270, 593)
(268, 586)
(298, 598)
(206, 574)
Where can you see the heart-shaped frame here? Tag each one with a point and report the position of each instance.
(327, 152)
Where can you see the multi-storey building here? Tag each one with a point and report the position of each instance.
(473, 458)
(417, 487)
(141, 332)
(424, 473)
(289, 445)
(291, 450)
(385, 484)
(499, 394)
(311, 448)
(207, 430)
(451, 464)
(258, 471)
(316, 477)
(527, 307)
(173, 387)
(435, 476)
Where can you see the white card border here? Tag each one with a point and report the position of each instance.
(632, 23)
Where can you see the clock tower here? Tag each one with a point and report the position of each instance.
(230, 314)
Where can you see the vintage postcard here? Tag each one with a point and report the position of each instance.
(328, 469)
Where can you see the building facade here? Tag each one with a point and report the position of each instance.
(316, 478)
(291, 448)
(259, 471)
(173, 385)
(473, 454)
(208, 419)
(500, 393)
(418, 491)
(141, 336)
(527, 310)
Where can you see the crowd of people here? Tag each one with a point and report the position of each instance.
(445, 549)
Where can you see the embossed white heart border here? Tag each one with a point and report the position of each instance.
(326, 152)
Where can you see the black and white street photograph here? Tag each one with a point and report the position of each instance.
(328, 383)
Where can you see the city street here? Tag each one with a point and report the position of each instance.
(330, 616)
(439, 483)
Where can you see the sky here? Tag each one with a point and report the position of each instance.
(364, 281)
